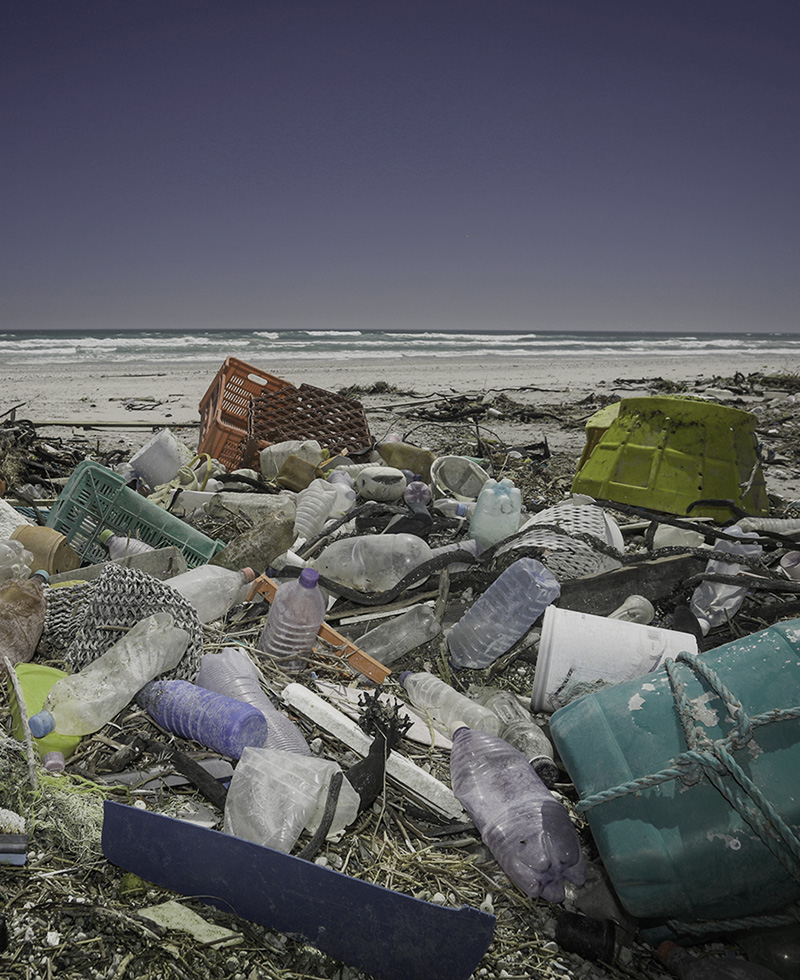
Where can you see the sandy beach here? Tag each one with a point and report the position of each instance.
(119, 404)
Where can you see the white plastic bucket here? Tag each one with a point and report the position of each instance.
(579, 651)
(159, 459)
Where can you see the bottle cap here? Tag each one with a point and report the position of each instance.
(308, 578)
(105, 535)
(54, 761)
(249, 573)
(404, 675)
(41, 724)
(43, 574)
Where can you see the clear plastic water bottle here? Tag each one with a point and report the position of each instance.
(233, 673)
(447, 708)
(518, 728)
(83, 702)
(211, 589)
(222, 724)
(314, 505)
(713, 603)
(294, 619)
(497, 512)
(372, 562)
(15, 559)
(120, 546)
(23, 608)
(395, 638)
(502, 614)
(528, 832)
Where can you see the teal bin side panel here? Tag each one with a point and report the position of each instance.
(95, 498)
(678, 850)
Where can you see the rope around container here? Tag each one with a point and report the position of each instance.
(713, 759)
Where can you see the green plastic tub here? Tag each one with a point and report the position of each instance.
(719, 839)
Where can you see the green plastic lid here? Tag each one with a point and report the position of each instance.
(105, 535)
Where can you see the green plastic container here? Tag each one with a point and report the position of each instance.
(95, 499)
(665, 453)
(36, 681)
(679, 849)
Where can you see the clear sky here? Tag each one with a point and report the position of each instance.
(506, 164)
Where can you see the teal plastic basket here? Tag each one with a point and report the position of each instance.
(96, 498)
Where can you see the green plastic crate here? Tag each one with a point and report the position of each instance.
(96, 498)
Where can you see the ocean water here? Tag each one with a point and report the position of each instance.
(268, 347)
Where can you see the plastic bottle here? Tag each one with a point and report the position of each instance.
(22, 610)
(15, 559)
(635, 609)
(83, 702)
(396, 637)
(233, 673)
(529, 833)
(502, 614)
(372, 562)
(447, 708)
(222, 724)
(497, 512)
(518, 728)
(684, 965)
(713, 603)
(314, 505)
(211, 589)
(120, 546)
(294, 620)
(455, 508)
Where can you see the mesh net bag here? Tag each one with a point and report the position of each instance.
(86, 620)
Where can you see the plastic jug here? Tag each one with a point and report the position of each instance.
(497, 512)
(679, 849)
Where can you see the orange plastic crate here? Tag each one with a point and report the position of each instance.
(224, 409)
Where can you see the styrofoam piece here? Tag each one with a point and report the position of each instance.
(346, 700)
(402, 770)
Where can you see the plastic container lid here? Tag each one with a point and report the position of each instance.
(308, 578)
(41, 724)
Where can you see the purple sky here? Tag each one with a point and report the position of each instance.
(509, 164)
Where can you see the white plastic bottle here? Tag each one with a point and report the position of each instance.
(497, 512)
(447, 708)
(120, 546)
(715, 602)
(395, 638)
(82, 703)
(233, 673)
(504, 613)
(294, 619)
(211, 589)
(314, 505)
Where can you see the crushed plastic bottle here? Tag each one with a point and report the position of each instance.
(713, 603)
(15, 559)
(211, 589)
(395, 638)
(372, 562)
(528, 832)
(120, 546)
(233, 673)
(502, 614)
(447, 708)
(314, 506)
(85, 701)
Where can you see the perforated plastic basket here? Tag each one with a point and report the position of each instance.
(96, 498)
(224, 409)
